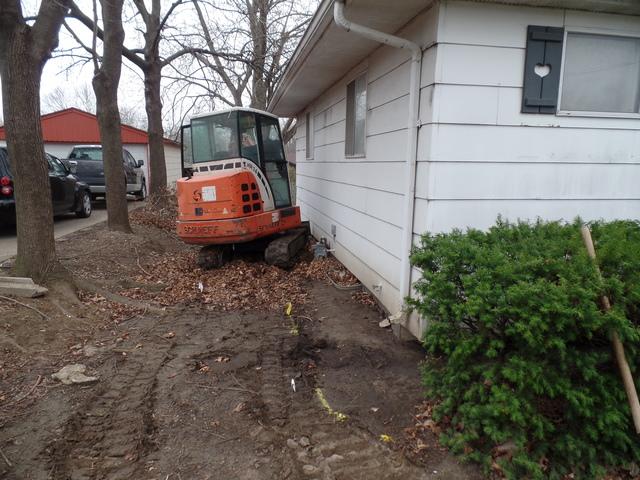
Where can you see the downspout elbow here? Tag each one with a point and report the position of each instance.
(375, 35)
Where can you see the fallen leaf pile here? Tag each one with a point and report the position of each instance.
(153, 215)
(239, 285)
(326, 269)
(142, 267)
(364, 298)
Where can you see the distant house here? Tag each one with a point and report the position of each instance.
(66, 128)
(526, 109)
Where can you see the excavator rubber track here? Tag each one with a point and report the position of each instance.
(282, 250)
(279, 250)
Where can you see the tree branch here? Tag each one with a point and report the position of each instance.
(47, 26)
(87, 22)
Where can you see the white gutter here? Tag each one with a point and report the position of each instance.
(412, 134)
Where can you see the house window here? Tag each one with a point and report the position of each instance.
(309, 135)
(601, 74)
(356, 116)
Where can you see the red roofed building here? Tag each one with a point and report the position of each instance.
(64, 129)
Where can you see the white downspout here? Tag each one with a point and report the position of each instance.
(413, 126)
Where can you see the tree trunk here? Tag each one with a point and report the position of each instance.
(258, 27)
(105, 85)
(21, 74)
(153, 105)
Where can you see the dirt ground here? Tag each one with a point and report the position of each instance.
(203, 375)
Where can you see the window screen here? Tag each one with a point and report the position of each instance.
(601, 74)
(356, 116)
(309, 136)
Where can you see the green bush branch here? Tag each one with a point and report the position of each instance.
(518, 347)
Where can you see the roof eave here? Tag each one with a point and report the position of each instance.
(321, 19)
(324, 16)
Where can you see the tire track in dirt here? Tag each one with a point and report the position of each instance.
(324, 448)
(342, 452)
(274, 389)
(109, 433)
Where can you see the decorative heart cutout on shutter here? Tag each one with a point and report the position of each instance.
(542, 70)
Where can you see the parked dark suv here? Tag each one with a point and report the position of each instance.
(90, 169)
(68, 193)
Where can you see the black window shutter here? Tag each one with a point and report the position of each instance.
(544, 48)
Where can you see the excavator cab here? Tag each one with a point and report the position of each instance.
(235, 186)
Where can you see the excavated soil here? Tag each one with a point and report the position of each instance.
(207, 377)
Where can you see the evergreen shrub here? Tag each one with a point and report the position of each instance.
(519, 358)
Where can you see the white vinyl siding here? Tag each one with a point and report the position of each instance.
(360, 190)
(478, 155)
(484, 158)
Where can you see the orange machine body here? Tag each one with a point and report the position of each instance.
(226, 208)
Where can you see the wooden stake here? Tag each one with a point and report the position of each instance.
(618, 348)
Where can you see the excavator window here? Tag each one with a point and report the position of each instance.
(186, 155)
(239, 133)
(249, 137)
(214, 137)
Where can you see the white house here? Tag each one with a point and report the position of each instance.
(519, 108)
(63, 129)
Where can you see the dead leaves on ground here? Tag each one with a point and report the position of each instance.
(239, 285)
(152, 215)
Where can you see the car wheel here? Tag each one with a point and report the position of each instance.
(142, 193)
(84, 207)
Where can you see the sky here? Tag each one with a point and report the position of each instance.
(64, 71)
(60, 70)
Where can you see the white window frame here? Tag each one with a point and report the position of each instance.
(308, 126)
(366, 110)
(594, 31)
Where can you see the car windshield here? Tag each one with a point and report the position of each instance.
(86, 154)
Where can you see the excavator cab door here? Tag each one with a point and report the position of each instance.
(274, 163)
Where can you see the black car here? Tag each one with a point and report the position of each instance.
(68, 194)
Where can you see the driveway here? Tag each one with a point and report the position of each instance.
(63, 225)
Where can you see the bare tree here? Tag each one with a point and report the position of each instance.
(133, 116)
(149, 60)
(24, 50)
(247, 43)
(83, 97)
(105, 85)
(61, 98)
(55, 100)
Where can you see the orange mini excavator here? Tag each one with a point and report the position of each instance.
(235, 190)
